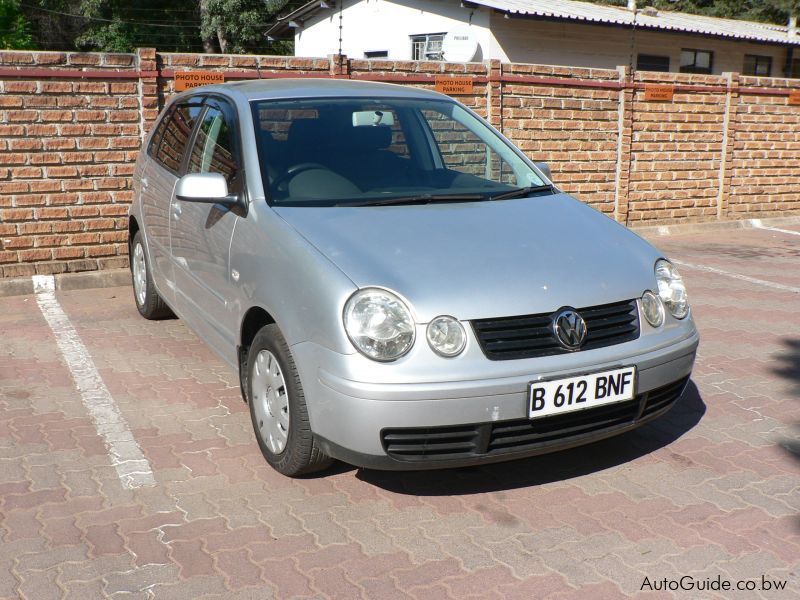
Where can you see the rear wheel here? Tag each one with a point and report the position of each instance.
(278, 407)
(149, 303)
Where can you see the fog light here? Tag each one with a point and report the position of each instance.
(446, 336)
(653, 309)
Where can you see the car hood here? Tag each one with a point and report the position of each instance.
(483, 259)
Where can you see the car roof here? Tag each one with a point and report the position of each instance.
(313, 87)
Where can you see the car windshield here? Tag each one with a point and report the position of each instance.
(370, 151)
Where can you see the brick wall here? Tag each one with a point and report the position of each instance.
(573, 128)
(71, 125)
(676, 150)
(67, 147)
(765, 155)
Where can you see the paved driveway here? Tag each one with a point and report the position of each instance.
(710, 491)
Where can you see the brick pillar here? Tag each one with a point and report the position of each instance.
(494, 93)
(148, 88)
(624, 139)
(339, 66)
(728, 138)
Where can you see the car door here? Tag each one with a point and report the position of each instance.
(200, 233)
(157, 185)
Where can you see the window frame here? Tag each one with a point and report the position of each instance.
(758, 59)
(425, 38)
(662, 57)
(694, 68)
(794, 69)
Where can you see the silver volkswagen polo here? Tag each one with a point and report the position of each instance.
(398, 286)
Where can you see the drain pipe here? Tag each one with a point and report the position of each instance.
(791, 33)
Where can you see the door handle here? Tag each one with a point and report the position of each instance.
(176, 211)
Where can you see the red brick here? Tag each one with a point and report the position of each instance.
(56, 87)
(84, 59)
(10, 102)
(42, 130)
(66, 253)
(26, 116)
(16, 214)
(50, 58)
(20, 87)
(52, 213)
(56, 115)
(35, 254)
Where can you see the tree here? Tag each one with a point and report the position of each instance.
(237, 25)
(15, 30)
(121, 25)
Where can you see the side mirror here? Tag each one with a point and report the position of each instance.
(544, 168)
(209, 188)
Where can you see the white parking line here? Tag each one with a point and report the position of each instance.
(133, 468)
(761, 282)
(759, 225)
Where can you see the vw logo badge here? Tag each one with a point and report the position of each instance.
(570, 329)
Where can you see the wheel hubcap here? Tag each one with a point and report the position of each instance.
(270, 402)
(139, 275)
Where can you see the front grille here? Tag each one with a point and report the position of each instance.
(444, 442)
(531, 336)
(663, 397)
(530, 432)
(487, 439)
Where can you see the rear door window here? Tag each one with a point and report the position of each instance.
(158, 134)
(176, 136)
(214, 149)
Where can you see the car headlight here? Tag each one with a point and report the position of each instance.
(671, 289)
(446, 336)
(653, 309)
(379, 324)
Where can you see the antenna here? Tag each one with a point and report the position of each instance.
(631, 66)
(341, 8)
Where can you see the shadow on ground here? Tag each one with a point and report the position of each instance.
(788, 367)
(558, 466)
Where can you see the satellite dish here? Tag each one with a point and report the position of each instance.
(459, 45)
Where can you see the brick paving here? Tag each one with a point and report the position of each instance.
(710, 489)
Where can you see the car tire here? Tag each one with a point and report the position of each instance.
(278, 407)
(149, 303)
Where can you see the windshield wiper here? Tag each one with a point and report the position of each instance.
(523, 192)
(417, 199)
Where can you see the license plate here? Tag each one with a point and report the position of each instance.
(580, 392)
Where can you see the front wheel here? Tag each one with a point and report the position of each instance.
(278, 407)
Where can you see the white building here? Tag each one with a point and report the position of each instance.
(557, 32)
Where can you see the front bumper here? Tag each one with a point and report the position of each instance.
(365, 423)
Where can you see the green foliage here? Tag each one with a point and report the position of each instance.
(235, 26)
(15, 30)
(121, 26)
